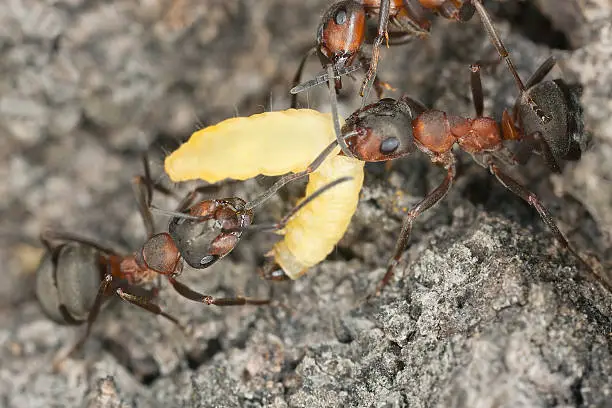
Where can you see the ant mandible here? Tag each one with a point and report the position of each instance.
(77, 275)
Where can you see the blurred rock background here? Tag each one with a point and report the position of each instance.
(486, 310)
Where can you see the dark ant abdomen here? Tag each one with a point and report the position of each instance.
(67, 282)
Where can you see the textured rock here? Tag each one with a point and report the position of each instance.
(486, 310)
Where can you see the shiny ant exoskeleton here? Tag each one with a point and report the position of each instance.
(390, 129)
(210, 229)
(548, 118)
(342, 33)
(77, 275)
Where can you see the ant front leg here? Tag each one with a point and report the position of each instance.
(533, 201)
(476, 86)
(191, 294)
(541, 72)
(429, 201)
(379, 85)
(383, 22)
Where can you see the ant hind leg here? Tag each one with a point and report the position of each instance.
(534, 201)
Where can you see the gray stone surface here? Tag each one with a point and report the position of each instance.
(486, 310)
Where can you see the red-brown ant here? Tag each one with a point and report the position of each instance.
(390, 129)
(342, 32)
(548, 119)
(208, 230)
(77, 274)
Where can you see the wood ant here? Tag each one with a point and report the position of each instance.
(391, 129)
(343, 27)
(274, 144)
(210, 229)
(77, 275)
(548, 119)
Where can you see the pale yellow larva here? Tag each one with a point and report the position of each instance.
(316, 229)
(272, 144)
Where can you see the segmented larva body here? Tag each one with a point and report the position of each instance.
(316, 229)
(272, 144)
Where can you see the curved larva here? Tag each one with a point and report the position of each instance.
(316, 229)
(270, 143)
(276, 143)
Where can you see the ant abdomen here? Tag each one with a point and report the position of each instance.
(67, 281)
(544, 109)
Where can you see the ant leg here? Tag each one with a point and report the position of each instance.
(476, 85)
(541, 72)
(291, 177)
(379, 85)
(283, 222)
(190, 294)
(429, 201)
(383, 21)
(48, 236)
(298, 75)
(334, 107)
(532, 200)
(497, 42)
(142, 189)
(103, 292)
(528, 143)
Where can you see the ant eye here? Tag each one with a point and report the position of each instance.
(340, 17)
(208, 260)
(389, 145)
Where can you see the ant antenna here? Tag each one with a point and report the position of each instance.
(262, 227)
(497, 42)
(334, 107)
(307, 200)
(323, 77)
(290, 177)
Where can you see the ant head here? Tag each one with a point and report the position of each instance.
(210, 230)
(553, 109)
(160, 254)
(381, 131)
(341, 33)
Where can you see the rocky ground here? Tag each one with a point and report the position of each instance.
(487, 310)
